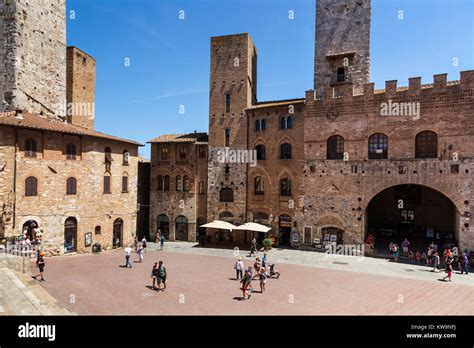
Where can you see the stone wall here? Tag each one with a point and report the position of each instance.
(52, 206)
(33, 56)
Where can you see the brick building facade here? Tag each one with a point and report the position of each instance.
(346, 160)
(58, 174)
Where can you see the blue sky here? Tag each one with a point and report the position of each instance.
(169, 56)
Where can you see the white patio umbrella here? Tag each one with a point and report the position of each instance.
(253, 226)
(222, 225)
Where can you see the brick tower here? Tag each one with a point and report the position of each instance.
(80, 88)
(233, 85)
(33, 56)
(342, 45)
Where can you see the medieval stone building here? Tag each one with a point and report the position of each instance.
(58, 175)
(345, 160)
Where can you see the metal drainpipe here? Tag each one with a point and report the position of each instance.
(14, 178)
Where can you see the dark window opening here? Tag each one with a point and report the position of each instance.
(30, 148)
(335, 148)
(71, 186)
(261, 155)
(285, 151)
(426, 145)
(31, 186)
(258, 186)
(226, 195)
(378, 146)
(285, 187)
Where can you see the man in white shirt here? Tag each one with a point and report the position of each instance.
(128, 252)
(239, 267)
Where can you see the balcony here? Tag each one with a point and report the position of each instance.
(340, 79)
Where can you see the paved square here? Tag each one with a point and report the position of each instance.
(201, 283)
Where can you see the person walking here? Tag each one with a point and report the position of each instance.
(140, 252)
(264, 261)
(263, 280)
(435, 261)
(448, 269)
(257, 266)
(246, 284)
(144, 244)
(162, 242)
(464, 263)
(162, 275)
(40, 264)
(239, 268)
(135, 243)
(155, 275)
(158, 237)
(128, 253)
(405, 246)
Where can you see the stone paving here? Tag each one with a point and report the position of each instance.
(375, 266)
(201, 282)
(21, 295)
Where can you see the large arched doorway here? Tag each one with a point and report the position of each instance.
(70, 235)
(117, 233)
(181, 228)
(418, 213)
(163, 224)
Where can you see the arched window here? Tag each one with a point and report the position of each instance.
(378, 146)
(71, 186)
(285, 187)
(186, 184)
(31, 186)
(285, 151)
(426, 145)
(179, 183)
(124, 183)
(226, 195)
(108, 158)
(289, 122)
(264, 124)
(126, 157)
(71, 151)
(258, 186)
(161, 183)
(164, 153)
(107, 183)
(261, 154)
(335, 148)
(183, 153)
(282, 122)
(167, 183)
(30, 148)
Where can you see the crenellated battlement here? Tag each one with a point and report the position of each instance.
(415, 87)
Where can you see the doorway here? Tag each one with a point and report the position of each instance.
(70, 235)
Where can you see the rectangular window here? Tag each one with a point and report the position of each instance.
(164, 153)
(201, 187)
(227, 137)
(182, 153)
(124, 184)
(308, 231)
(106, 184)
(202, 152)
(227, 103)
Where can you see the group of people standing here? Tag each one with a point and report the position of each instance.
(158, 273)
(259, 271)
(451, 257)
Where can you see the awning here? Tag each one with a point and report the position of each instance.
(222, 225)
(252, 226)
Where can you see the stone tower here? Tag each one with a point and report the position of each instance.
(80, 88)
(342, 54)
(33, 56)
(233, 86)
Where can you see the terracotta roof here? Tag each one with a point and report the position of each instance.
(198, 138)
(34, 121)
(267, 104)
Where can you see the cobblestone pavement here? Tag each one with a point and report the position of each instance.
(201, 282)
(21, 295)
